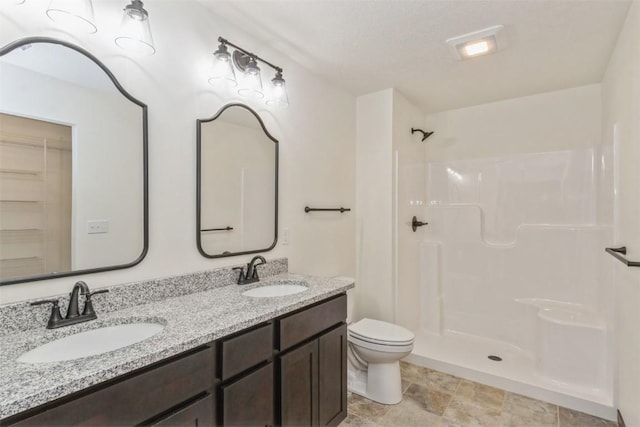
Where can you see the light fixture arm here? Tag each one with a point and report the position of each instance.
(252, 55)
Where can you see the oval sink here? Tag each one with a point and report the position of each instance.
(91, 343)
(275, 290)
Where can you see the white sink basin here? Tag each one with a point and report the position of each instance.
(90, 343)
(275, 290)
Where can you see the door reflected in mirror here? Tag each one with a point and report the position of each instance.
(237, 184)
(73, 177)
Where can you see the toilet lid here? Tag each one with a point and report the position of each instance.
(382, 332)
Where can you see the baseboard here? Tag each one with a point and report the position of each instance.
(621, 420)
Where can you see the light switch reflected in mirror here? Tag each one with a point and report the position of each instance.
(73, 176)
(237, 184)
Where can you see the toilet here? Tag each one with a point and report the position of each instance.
(374, 352)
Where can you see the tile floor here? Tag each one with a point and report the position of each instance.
(433, 398)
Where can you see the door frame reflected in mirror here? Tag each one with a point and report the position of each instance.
(199, 123)
(18, 44)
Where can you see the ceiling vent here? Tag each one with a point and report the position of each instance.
(478, 43)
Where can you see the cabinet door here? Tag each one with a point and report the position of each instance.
(299, 386)
(249, 400)
(332, 376)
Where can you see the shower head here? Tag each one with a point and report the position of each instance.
(425, 135)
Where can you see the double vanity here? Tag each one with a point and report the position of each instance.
(220, 347)
(214, 356)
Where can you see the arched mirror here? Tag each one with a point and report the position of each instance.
(73, 164)
(237, 184)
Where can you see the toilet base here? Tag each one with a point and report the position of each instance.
(381, 382)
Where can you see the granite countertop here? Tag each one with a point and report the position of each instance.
(190, 320)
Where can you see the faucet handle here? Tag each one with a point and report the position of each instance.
(101, 291)
(46, 301)
(88, 304)
(55, 316)
(241, 276)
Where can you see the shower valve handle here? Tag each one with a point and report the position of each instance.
(415, 224)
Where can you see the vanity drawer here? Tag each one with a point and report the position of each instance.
(311, 321)
(136, 398)
(244, 351)
(196, 414)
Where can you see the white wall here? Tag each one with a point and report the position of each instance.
(621, 128)
(409, 194)
(551, 121)
(374, 206)
(316, 134)
(390, 187)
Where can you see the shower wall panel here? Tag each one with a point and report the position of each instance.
(515, 228)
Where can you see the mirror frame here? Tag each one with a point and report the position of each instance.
(145, 158)
(199, 123)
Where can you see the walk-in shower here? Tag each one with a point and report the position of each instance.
(511, 268)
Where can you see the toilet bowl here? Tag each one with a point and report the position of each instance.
(374, 351)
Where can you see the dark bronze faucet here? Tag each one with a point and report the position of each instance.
(252, 272)
(73, 311)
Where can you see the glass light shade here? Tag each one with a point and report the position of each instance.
(250, 81)
(222, 69)
(135, 31)
(252, 67)
(74, 15)
(278, 96)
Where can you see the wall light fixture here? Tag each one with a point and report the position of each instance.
(249, 81)
(135, 31)
(75, 15)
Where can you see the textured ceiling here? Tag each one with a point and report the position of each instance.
(365, 46)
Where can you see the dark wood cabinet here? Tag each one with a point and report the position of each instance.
(195, 414)
(311, 321)
(332, 376)
(249, 400)
(313, 375)
(298, 376)
(246, 374)
(288, 371)
(244, 350)
(313, 381)
(131, 399)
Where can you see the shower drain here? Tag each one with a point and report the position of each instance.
(495, 358)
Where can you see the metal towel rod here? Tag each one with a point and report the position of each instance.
(307, 209)
(217, 229)
(618, 254)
